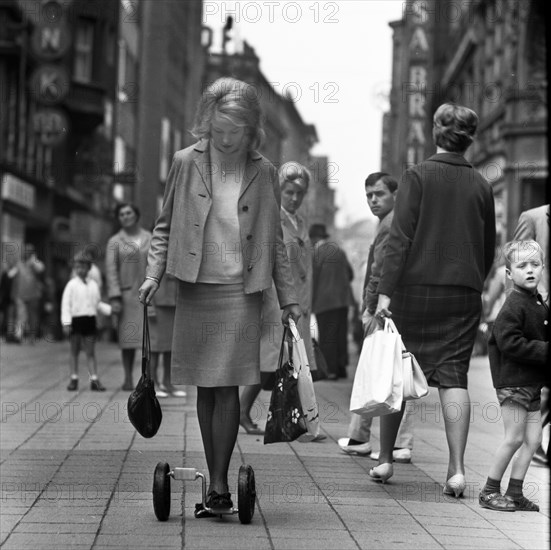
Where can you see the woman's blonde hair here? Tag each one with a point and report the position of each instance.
(294, 172)
(235, 100)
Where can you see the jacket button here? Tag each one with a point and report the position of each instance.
(249, 267)
(245, 209)
(249, 237)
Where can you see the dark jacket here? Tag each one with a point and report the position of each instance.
(444, 230)
(331, 278)
(375, 263)
(519, 343)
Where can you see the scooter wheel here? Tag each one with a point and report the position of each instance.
(161, 491)
(246, 493)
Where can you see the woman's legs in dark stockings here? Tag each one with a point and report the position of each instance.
(128, 366)
(390, 423)
(248, 397)
(218, 414)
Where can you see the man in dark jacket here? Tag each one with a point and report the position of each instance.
(331, 299)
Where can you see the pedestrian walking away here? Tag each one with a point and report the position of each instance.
(221, 197)
(435, 296)
(518, 349)
(331, 299)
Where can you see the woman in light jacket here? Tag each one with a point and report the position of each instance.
(125, 263)
(294, 180)
(219, 234)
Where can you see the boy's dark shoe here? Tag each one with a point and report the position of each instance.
(73, 384)
(523, 504)
(96, 385)
(497, 502)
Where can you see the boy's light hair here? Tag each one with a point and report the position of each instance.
(512, 249)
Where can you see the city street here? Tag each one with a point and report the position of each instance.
(75, 474)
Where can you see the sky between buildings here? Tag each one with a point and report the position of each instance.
(335, 60)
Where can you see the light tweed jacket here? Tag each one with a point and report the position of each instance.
(178, 238)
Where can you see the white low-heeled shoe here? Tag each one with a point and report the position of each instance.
(455, 485)
(382, 472)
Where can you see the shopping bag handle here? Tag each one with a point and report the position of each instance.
(391, 327)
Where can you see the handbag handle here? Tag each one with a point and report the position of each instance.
(285, 336)
(146, 344)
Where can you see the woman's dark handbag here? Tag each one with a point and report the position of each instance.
(144, 410)
(285, 419)
(322, 371)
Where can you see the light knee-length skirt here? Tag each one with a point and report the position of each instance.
(216, 338)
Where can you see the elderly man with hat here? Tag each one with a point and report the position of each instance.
(331, 299)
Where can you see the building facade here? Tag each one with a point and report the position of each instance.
(161, 72)
(57, 72)
(288, 137)
(490, 56)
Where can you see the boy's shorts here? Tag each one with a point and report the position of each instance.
(85, 325)
(528, 397)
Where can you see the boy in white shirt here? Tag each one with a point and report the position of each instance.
(79, 305)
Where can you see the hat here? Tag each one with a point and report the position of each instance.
(318, 230)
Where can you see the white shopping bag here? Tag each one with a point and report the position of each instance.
(305, 385)
(378, 382)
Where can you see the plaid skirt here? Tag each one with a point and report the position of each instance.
(438, 325)
(216, 339)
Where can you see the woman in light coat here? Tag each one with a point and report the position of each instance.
(219, 233)
(125, 263)
(294, 180)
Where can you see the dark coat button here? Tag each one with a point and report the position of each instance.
(245, 208)
(249, 267)
(249, 237)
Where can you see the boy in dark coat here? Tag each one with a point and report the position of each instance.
(518, 349)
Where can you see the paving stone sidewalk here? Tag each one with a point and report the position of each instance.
(74, 473)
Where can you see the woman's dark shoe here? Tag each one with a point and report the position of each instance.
(497, 502)
(216, 501)
(73, 385)
(201, 512)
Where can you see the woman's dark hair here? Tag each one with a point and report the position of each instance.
(454, 127)
(235, 100)
(387, 179)
(122, 205)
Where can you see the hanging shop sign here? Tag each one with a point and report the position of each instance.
(49, 84)
(50, 125)
(50, 41)
(18, 191)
